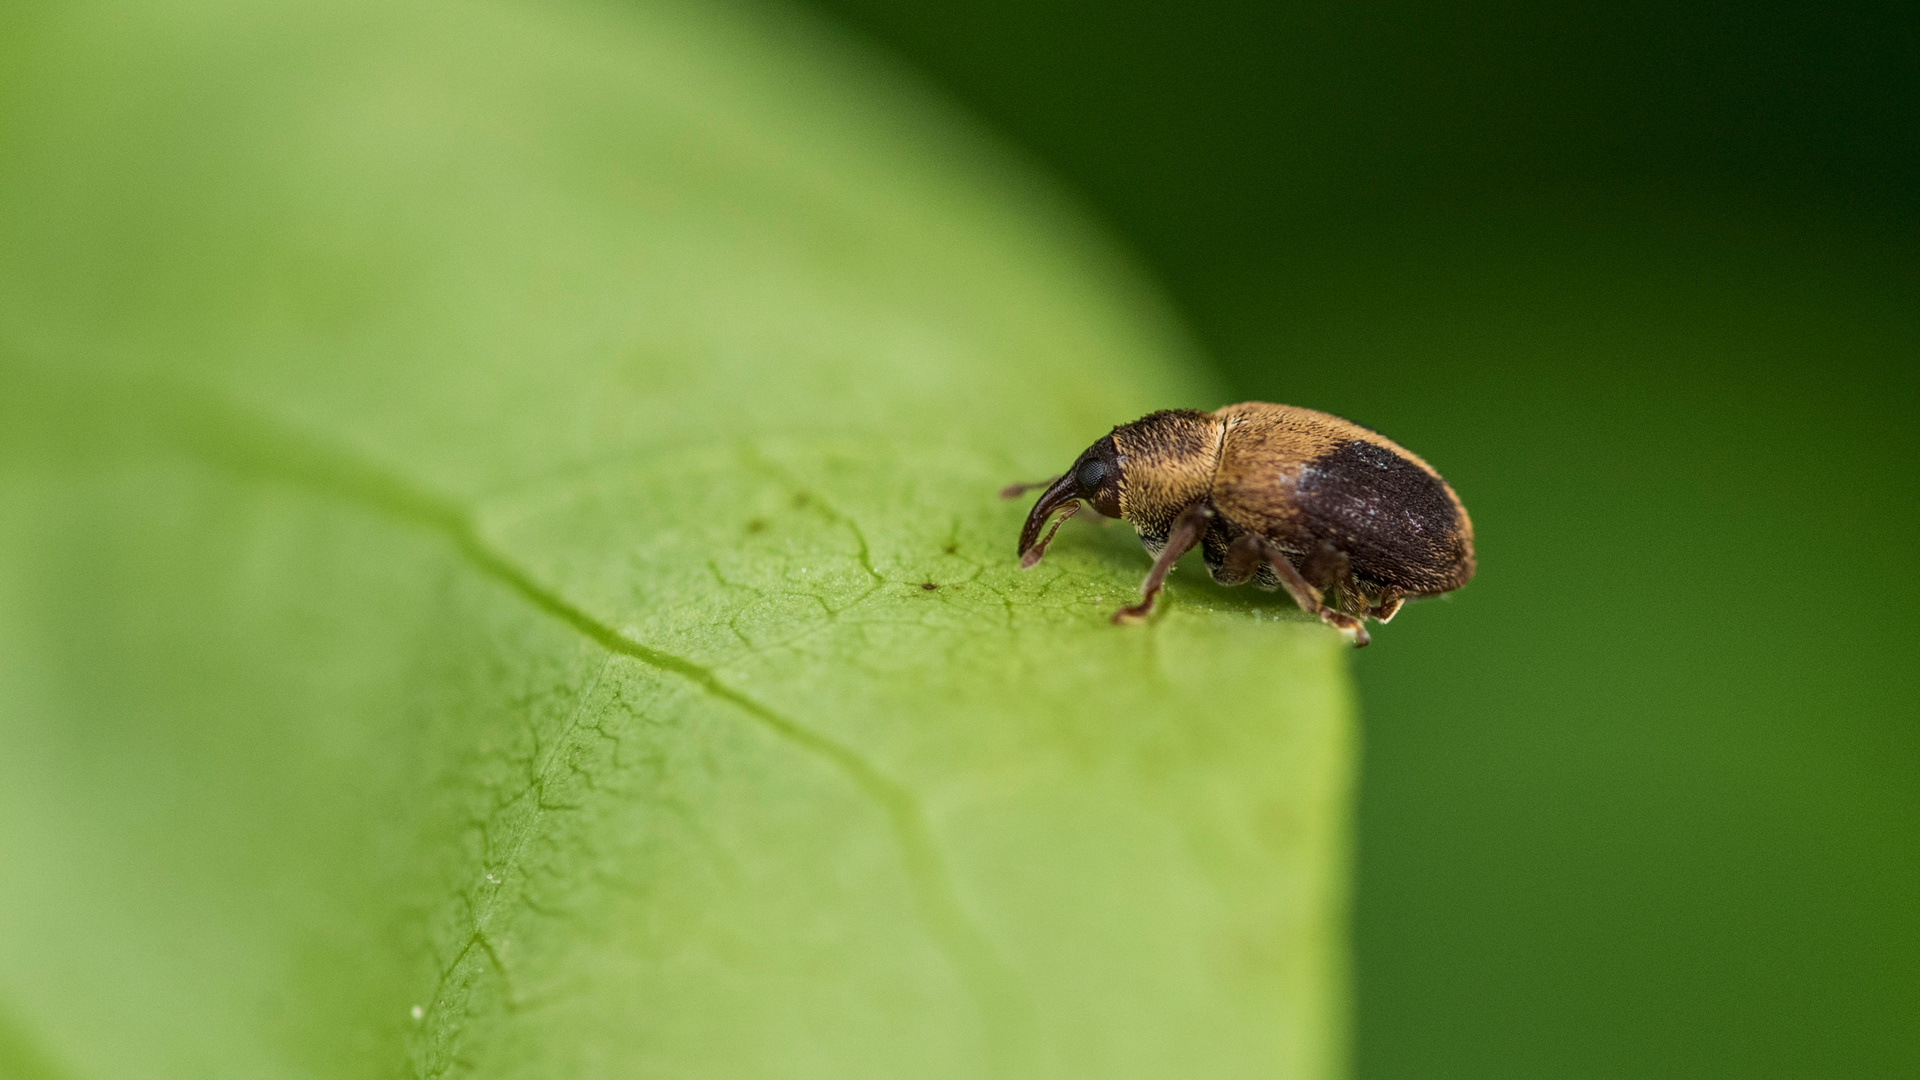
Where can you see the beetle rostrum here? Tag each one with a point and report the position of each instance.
(1347, 521)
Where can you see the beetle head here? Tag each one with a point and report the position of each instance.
(1094, 479)
(1147, 472)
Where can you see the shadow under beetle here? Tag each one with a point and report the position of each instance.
(1346, 520)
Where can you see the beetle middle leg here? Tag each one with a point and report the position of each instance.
(1243, 559)
(1251, 547)
(1187, 530)
(1331, 571)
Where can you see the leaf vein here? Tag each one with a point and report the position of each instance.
(252, 444)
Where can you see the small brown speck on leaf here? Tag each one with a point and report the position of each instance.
(755, 525)
(929, 586)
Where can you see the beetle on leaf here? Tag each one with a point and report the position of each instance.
(1346, 520)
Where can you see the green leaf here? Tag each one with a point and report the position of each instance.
(500, 575)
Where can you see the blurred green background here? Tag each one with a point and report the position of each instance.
(1641, 280)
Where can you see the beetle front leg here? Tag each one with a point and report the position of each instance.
(1187, 530)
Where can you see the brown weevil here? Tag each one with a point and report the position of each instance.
(1344, 519)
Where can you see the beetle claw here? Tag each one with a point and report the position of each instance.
(1350, 628)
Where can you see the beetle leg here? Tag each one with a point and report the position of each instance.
(1243, 560)
(1389, 605)
(1329, 568)
(1187, 530)
(1331, 565)
(1245, 555)
(1309, 598)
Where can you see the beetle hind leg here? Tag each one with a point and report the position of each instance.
(1387, 606)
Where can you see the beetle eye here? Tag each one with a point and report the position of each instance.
(1089, 475)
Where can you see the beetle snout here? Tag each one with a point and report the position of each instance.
(1064, 491)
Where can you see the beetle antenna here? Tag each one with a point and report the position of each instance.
(1014, 491)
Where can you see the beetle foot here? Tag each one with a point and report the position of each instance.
(1350, 628)
(1136, 613)
(1388, 607)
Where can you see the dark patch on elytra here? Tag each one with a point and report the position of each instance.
(1391, 517)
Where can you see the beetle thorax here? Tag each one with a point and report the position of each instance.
(1167, 464)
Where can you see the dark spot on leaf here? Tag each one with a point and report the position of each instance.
(755, 525)
(801, 499)
(929, 586)
(952, 549)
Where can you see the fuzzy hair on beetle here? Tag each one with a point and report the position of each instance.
(1347, 521)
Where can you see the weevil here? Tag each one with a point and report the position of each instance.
(1347, 521)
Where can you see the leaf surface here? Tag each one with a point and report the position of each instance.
(500, 575)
